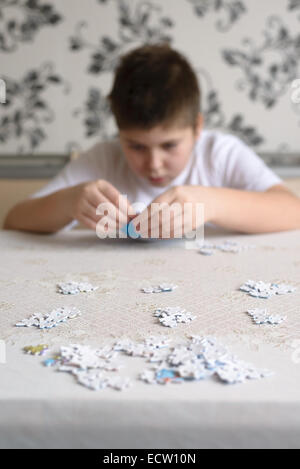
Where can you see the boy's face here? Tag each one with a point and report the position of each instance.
(161, 153)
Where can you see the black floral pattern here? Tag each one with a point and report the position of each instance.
(214, 116)
(26, 112)
(265, 67)
(294, 4)
(232, 10)
(96, 114)
(267, 79)
(35, 15)
(140, 24)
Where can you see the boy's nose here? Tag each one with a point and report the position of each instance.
(155, 161)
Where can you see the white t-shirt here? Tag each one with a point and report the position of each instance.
(217, 160)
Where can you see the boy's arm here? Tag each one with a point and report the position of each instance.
(51, 213)
(43, 215)
(277, 209)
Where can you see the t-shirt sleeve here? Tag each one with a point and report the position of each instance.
(89, 166)
(239, 167)
(61, 181)
(56, 184)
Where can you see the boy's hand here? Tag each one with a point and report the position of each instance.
(85, 199)
(161, 222)
(276, 209)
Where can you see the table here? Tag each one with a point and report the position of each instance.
(40, 408)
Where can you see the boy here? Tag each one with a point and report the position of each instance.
(162, 155)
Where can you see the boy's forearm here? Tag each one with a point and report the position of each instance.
(45, 215)
(255, 212)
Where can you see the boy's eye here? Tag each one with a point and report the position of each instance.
(137, 147)
(169, 146)
(165, 146)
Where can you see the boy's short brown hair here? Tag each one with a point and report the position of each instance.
(155, 85)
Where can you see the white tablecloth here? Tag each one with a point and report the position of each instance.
(42, 408)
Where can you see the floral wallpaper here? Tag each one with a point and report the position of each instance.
(57, 59)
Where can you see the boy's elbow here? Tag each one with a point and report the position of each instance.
(8, 224)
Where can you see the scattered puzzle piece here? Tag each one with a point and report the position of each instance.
(172, 316)
(209, 249)
(50, 362)
(50, 320)
(266, 290)
(206, 252)
(36, 349)
(95, 380)
(163, 287)
(261, 316)
(74, 288)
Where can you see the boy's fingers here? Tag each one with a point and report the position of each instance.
(88, 222)
(165, 198)
(180, 225)
(149, 216)
(160, 221)
(115, 197)
(97, 198)
(96, 226)
(91, 212)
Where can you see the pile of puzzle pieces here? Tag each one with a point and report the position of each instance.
(197, 359)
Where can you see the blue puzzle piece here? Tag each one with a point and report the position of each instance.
(129, 230)
(50, 362)
(164, 373)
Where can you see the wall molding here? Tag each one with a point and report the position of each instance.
(47, 166)
(31, 167)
